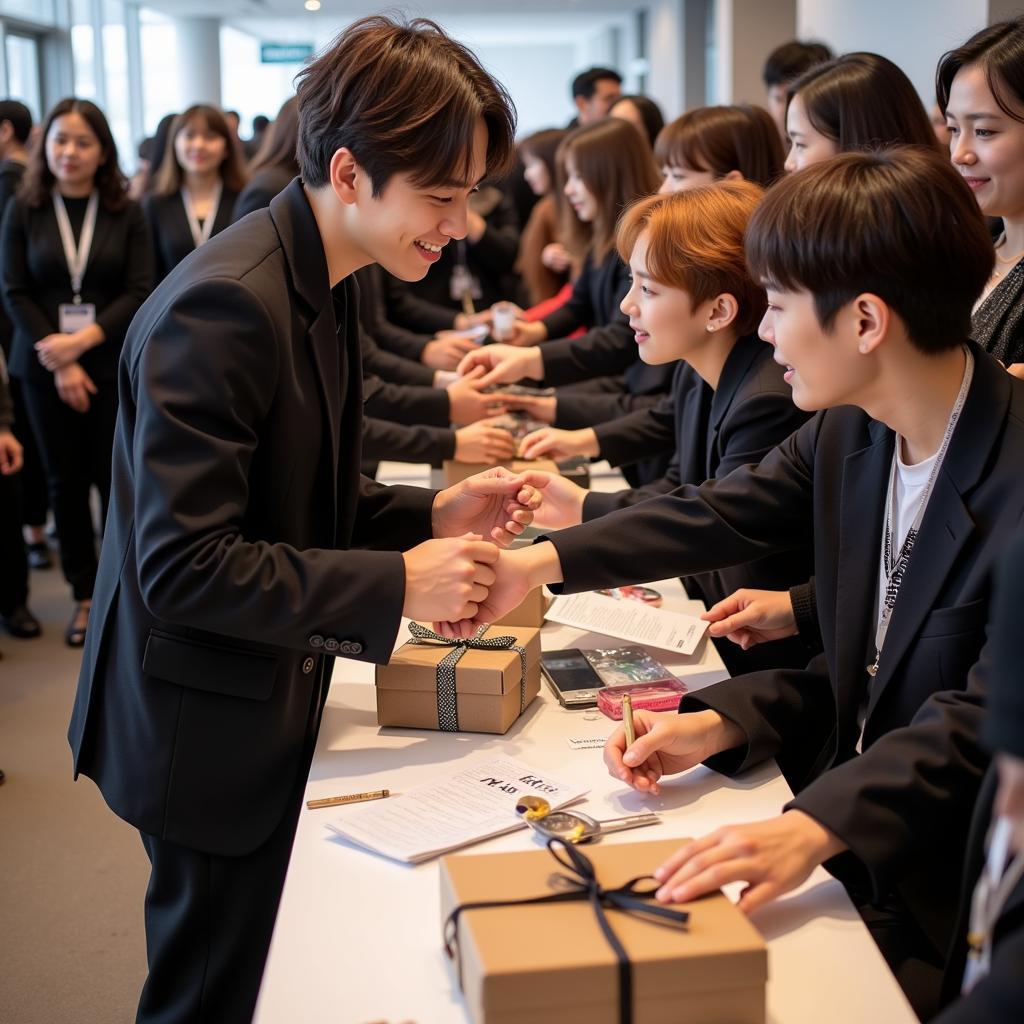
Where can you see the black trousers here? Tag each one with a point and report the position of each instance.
(13, 563)
(35, 500)
(209, 919)
(76, 448)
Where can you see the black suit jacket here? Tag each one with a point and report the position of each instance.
(35, 282)
(229, 568)
(266, 183)
(374, 318)
(828, 481)
(169, 231)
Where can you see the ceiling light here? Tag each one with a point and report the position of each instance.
(312, 5)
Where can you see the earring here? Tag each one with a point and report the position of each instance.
(711, 327)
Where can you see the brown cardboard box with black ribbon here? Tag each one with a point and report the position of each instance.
(530, 612)
(554, 961)
(479, 685)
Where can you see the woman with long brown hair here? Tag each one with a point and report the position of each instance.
(196, 186)
(275, 164)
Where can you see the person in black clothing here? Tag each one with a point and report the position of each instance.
(274, 165)
(195, 190)
(76, 267)
(594, 91)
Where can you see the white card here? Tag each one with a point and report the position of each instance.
(73, 316)
(586, 742)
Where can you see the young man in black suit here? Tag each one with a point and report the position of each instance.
(244, 550)
(869, 311)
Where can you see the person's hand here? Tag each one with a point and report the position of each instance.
(447, 578)
(495, 504)
(509, 589)
(74, 386)
(59, 350)
(559, 444)
(446, 351)
(749, 617)
(525, 333)
(484, 442)
(538, 407)
(504, 364)
(772, 857)
(666, 744)
(556, 257)
(562, 505)
(463, 321)
(11, 453)
(468, 402)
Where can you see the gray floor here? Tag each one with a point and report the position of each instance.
(72, 875)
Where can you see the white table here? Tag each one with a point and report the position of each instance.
(358, 937)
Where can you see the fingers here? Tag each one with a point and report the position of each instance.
(727, 606)
(482, 552)
(478, 360)
(484, 575)
(540, 442)
(708, 872)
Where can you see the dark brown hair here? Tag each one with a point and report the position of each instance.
(650, 114)
(170, 175)
(740, 138)
(38, 182)
(695, 243)
(790, 59)
(617, 169)
(403, 98)
(543, 146)
(863, 101)
(898, 223)
(999, 50)
(279, 140)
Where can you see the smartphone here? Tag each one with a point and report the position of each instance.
(571, 677)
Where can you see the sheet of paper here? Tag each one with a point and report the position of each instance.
(450, 811)
(629, 620)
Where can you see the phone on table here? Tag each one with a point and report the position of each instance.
(571, 677)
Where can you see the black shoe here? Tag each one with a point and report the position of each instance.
(21, 623)
(39, 556)
(74, 635)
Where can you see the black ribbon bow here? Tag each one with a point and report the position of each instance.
(582, 884)
(447, 705)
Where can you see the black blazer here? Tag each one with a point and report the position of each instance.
(266, 183)
(713, 432)
(169, 230)
(229, 566)
(35, 282)
(374, 318)
(828, 481)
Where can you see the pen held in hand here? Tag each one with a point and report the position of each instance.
(627, 720)
(350, 798)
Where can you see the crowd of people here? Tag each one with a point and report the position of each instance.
(797, 329)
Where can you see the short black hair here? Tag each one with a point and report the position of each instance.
(585, 83)
(20, 117)
(260, 122)
(899, 223)
(790, 59)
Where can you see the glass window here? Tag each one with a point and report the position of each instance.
(23, 72)
(83, 49)
(117, 91)
(161, 86)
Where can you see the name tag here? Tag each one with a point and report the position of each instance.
(72, 317)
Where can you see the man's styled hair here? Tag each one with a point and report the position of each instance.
(722, 139)
(898, 223)
(695, 243)
(790, 59)
(999, 50)
(403, 98)
(585, 83)
(20, 117)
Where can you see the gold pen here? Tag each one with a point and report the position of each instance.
(351, 798)
(627, 719)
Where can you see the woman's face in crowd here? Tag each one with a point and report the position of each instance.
(986, 145)
(536, 174)
(73, 152)
(580, 197)
(806, 144)
(679, 179)
(199, 148)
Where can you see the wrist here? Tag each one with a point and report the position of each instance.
(589, 444)
(821, 842)
(541, 563)
(535, 369)
(721, 734)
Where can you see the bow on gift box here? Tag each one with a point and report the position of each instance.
(447, 706)
(582, 884)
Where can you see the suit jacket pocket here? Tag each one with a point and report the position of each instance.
(957, 619)
(202, 666)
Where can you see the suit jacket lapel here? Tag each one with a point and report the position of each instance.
(737, 365)
(323, 343)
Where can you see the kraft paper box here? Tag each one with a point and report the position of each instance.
(550, 964)
(486, 684)
(530, 613)
(454, 472)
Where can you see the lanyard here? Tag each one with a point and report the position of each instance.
(77, 258)
(201, 234)
(896, 570)
(994, 886)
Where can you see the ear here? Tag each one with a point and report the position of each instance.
(581, 103)
(732, 175)
(724, 310)
(344, 173)
(870, 318)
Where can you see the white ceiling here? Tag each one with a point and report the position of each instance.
(337, 10)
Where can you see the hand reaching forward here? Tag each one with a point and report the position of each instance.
(496, 504)
(772, 857)
(563, 504)
(504, 364)
(510, 586)
(552, 443)
(749, 617)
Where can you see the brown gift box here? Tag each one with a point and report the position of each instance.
(454, 472)
(550, 963)
(530, 612)
(486, 683)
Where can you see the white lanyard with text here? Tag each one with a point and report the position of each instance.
(896, 570)
(201, 234)
(77, 257)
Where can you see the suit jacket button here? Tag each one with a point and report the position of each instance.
(316, 640)
(308, 665)
(355, 647)
(330, 644)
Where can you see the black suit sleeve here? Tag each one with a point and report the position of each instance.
(578, 310)
(21, 307)
(253, 197)
(402, 443)
(581, 409)
(391, 367)
(407, 403)
(412, 312)
(137, 281)
(648, 431)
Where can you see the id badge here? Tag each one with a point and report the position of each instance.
(72, 317)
